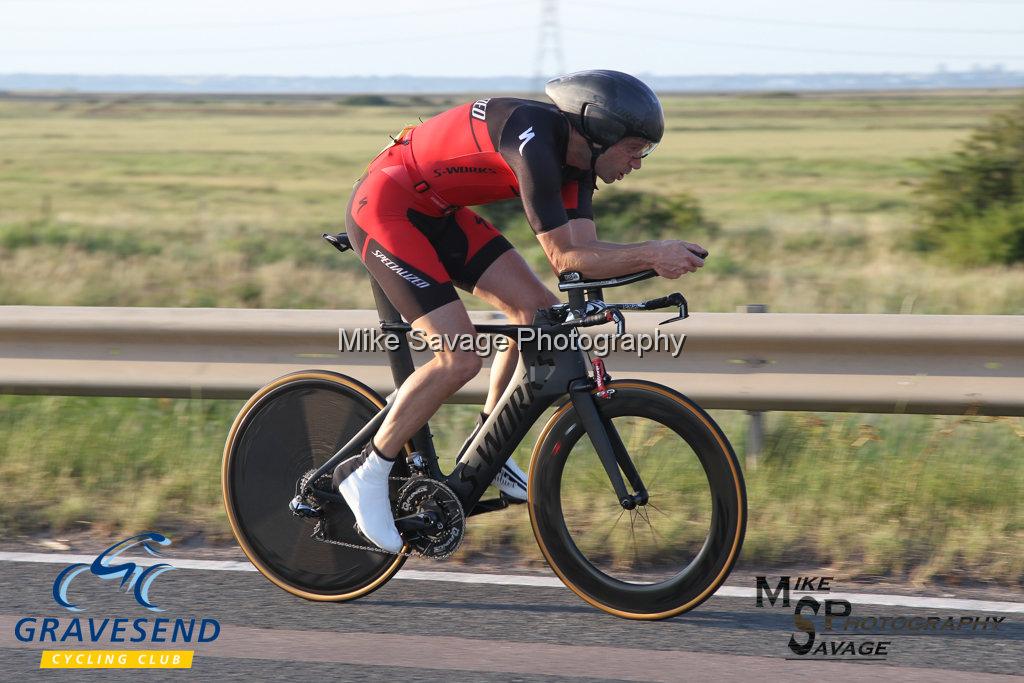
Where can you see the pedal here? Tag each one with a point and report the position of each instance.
(300, 508)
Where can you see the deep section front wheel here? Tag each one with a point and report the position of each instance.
(660, 559)
(287, 429)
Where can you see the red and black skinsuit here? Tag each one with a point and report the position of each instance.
(407, 216)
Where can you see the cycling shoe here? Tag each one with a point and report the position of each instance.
(511, 481)
(362, 481)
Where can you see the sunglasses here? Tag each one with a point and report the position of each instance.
(646, 150)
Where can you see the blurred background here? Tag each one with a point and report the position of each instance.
(833, 159)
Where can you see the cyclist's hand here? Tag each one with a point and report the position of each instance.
(673, 258)
(696, 249)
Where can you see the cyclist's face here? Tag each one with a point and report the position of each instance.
(621, 159)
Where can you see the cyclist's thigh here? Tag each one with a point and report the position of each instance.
(395, 252)
(467, 244)
(447, 324)
(511, 285)
(495, 271)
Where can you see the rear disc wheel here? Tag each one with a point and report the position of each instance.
(288, 428)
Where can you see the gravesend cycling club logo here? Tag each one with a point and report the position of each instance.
(134, 576)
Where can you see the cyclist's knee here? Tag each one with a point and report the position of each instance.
(524, 311)
(460, 366)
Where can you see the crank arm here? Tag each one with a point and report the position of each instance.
(490, 505)
(420, 521)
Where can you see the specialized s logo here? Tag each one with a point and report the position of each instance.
(132, 575)
(362, 203)
(525, 136)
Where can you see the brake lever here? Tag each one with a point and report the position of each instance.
(620, 321)
(611, 312)
(684, 312)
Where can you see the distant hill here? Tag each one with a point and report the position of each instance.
(994, 77)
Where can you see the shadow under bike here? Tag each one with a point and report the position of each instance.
(644, 518)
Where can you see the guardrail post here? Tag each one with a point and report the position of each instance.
(755, 431)
(755, 439)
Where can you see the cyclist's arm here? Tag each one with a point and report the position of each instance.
(574, 246)
(561, 215)
(531, 143)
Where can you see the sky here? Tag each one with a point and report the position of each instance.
(494, 38)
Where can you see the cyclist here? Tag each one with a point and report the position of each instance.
(408, 220)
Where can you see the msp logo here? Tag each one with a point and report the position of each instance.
(838, 637)
(133, 577)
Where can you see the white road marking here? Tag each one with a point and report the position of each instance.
(183, 563)
(544, 582)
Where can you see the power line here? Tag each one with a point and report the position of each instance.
(962, 3)
(683, 42)
(272, 48)
(245, 24)
(804, 24)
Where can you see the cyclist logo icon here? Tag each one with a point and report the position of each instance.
(133, 577)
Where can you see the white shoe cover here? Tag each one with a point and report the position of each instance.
(511, 480)
(365, 490)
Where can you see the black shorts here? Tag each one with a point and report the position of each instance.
(418, 258)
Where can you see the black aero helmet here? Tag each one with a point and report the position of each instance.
(607, 106)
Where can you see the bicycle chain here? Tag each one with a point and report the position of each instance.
(319, 534)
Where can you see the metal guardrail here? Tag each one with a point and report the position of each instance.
(770, 361)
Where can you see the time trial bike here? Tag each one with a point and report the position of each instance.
(635, 495)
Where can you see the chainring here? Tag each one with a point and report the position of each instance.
(423, 494)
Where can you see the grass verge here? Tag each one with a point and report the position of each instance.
(913, 496)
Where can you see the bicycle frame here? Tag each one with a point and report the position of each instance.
(541, 378)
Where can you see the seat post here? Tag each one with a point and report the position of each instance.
(401, 358)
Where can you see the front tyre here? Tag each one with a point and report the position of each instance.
(289, 427)
(663, 558)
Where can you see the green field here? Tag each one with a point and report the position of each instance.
(198, 202)
(195, 201)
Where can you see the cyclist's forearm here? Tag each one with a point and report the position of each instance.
(607, 259)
